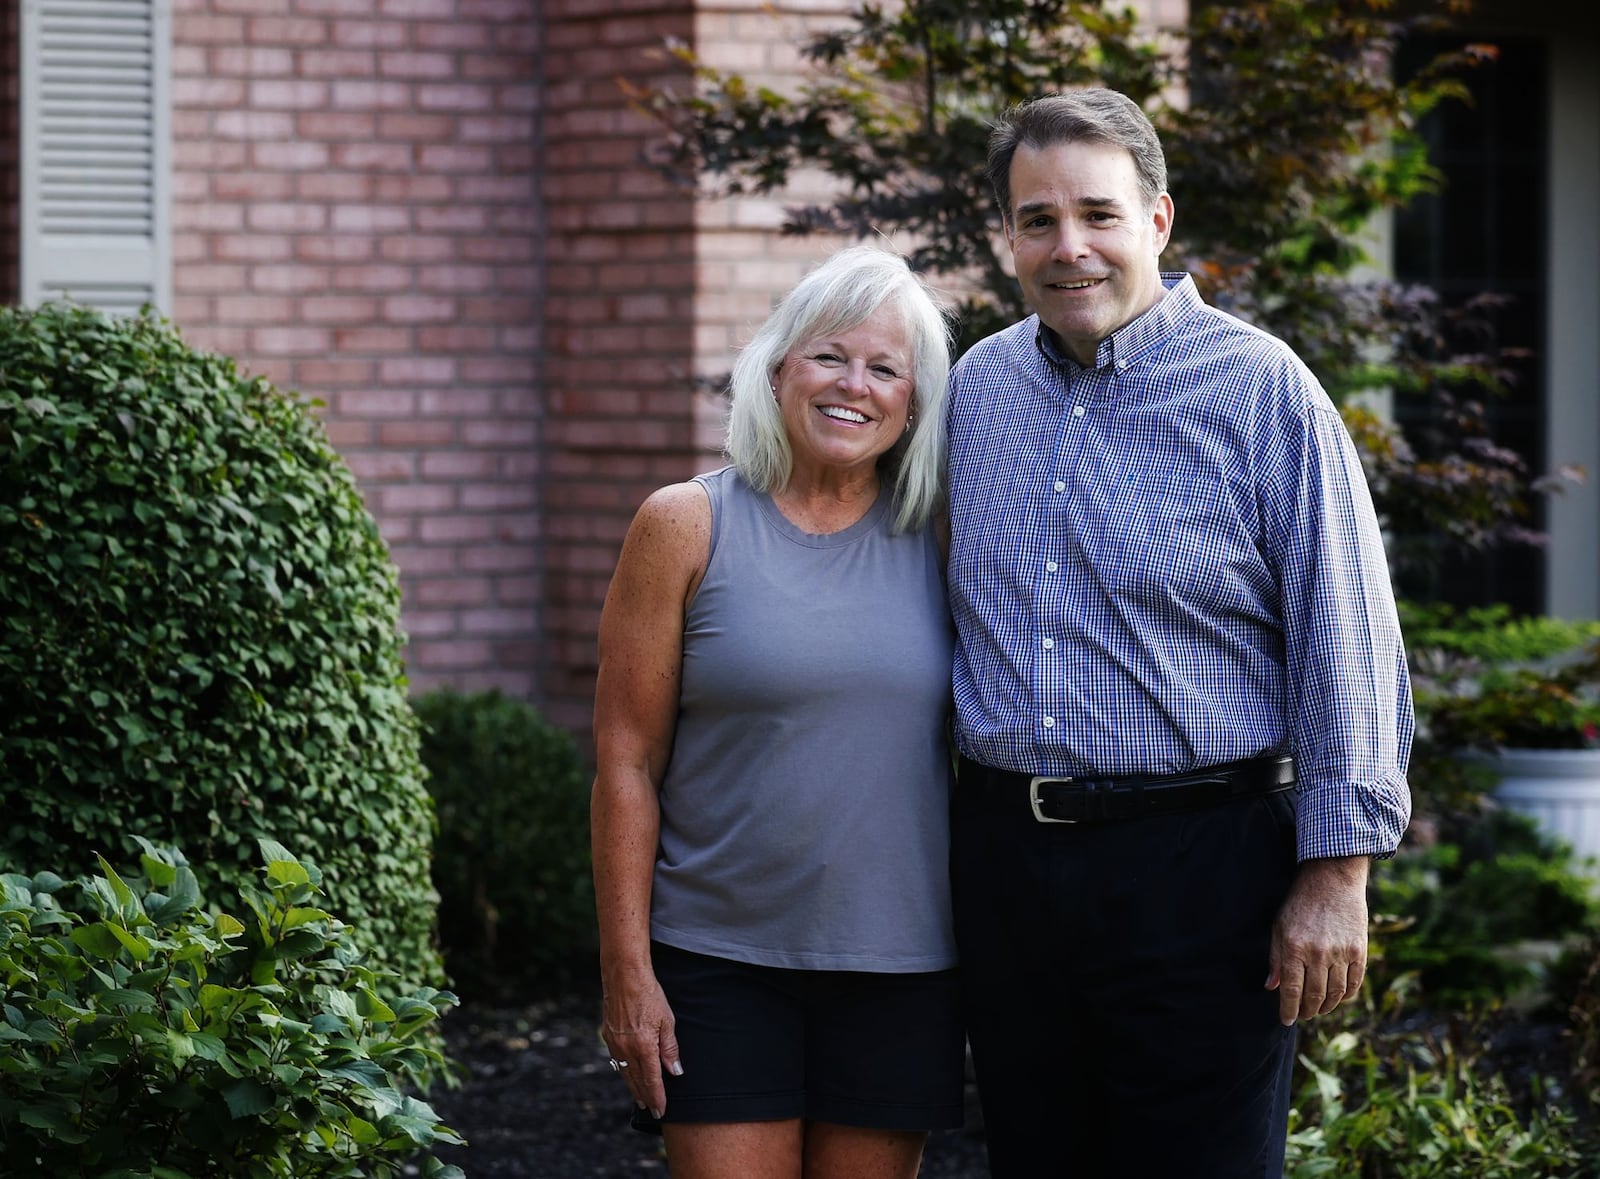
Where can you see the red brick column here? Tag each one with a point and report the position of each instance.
(620, 316)
(356, 216)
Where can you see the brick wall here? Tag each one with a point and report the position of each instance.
(9, 285)
(356, 217)
(620, 317)
(434, 216)
(743, 262)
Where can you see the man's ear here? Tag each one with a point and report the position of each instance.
(1161, 221)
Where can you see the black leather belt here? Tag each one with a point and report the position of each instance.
(1108, 800)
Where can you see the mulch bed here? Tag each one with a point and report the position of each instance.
(538, 1100)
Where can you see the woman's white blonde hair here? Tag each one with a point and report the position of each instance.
(840, 294)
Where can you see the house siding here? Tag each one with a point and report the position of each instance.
(10, 151)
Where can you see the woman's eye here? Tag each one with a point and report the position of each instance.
(826, 358)
(885, 372)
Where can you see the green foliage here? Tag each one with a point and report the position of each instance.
(1377, 1099)
(1292, 133)
(1443, 486)
(146, 1038)
(1492, 634)
(511, 860)
(1485, 679)
(200, 639)
(898, 110)
(1457, 911)
(1583, 1019)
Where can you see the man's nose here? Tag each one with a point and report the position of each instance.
(1071, 243)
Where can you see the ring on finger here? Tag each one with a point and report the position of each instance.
(617, 1065)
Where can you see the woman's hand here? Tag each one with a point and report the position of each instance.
(638, 1031)
(636, 709)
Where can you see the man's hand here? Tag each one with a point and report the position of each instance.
(1319, 943)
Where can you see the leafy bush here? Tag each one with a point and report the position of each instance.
(1456, 911)
(145, 1037)
(1491, 634)
(1380, 1097)
(1490, 679)
(511, 859)
(200, 638)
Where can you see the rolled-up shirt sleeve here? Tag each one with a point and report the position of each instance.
(1350, 709)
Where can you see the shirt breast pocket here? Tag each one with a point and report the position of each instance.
(1163, 536)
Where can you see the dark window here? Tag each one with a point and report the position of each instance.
(1487, 231)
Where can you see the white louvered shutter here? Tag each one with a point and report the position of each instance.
(96, 152)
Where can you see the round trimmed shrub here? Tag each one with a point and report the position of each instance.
(511, 859)
(200, 643)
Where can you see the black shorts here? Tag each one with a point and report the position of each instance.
(760, 1043)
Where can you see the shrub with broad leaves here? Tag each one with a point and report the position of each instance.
(144, 1036)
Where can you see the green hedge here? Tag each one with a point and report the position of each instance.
(200, 638)
(143, 1037)
(511, 860)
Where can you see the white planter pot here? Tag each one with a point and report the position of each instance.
(1559, 788)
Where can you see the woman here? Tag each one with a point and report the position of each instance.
(770, 808)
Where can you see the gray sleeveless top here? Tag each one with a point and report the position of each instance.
(805, 807)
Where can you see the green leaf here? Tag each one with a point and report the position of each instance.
(97, 939)
(373, 1008)
(135, 944)
(247, 1098)
(297, 917)
(160, 874)
(273, 852)
(181, 1047)
(127, 905)
(207, 1046)
(227, 926)
(129, 1000)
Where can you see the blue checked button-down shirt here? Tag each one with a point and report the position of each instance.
(1169, 561)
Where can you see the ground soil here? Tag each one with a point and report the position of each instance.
(537, 1100)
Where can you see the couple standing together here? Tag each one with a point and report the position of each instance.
(1181, 717)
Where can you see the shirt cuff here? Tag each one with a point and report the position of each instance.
(1346, 818)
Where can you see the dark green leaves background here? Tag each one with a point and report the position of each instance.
(199, 636)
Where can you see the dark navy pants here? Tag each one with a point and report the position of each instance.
(1112, 981)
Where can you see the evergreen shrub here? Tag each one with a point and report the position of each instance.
(200, 642)
(145, 1037)
(1456, 913)
(511, 859)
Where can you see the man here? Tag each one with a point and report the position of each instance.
(1182, 704)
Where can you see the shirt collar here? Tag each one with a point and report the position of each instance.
(1139, 335)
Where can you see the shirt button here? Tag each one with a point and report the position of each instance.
(1050, 566)
(1060, 485)
(1049, 644)
(1049, 722)
(1077, 411)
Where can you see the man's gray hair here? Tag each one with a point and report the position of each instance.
(1077, 116)
(840, 294)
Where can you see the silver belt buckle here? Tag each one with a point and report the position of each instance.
(1033, 799)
